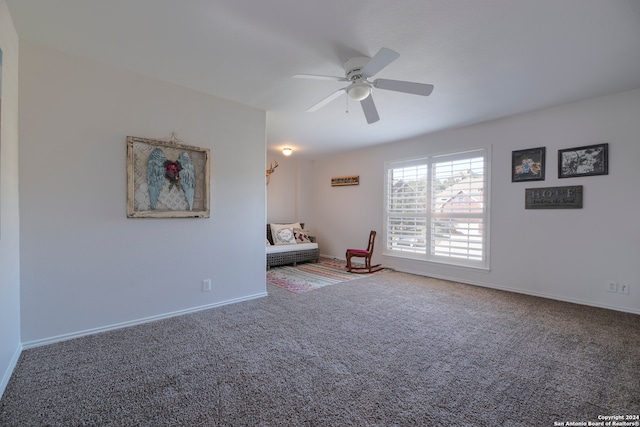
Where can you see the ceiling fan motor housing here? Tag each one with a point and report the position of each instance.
(353, 68)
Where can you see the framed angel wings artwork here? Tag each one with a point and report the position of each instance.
(167, 179)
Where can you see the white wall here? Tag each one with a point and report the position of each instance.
(84, 265)
(563, 254)
(9, 213)
(289, 196)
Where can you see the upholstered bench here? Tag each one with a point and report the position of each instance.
(293, 252)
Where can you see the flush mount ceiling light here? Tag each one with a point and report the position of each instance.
(287, 151)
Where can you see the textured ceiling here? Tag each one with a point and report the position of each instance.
(487, 59)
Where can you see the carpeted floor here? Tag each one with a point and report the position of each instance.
(389, 349)
(310, 275)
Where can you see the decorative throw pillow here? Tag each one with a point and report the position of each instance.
(283, 234)
(302, 236)
(268, 242)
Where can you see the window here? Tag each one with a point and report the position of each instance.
(437, 209)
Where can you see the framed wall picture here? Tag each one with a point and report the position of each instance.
(341, 181)
(528, 165)
(583, 161)
(166, 179)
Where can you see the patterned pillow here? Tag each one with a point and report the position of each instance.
(302, 236)
(283, 234)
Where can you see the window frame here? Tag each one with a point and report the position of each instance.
(430, 161)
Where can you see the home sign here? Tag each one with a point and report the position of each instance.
(554, 198)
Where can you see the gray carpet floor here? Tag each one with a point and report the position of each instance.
(390, 349)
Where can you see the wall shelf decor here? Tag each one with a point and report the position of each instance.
(167, 179)
(583, 161)
(528, 165)
(341, 181)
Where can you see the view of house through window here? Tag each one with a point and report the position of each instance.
(436, 209)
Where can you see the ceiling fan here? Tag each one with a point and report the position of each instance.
(358, 70)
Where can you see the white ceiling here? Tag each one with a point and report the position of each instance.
(487, 59)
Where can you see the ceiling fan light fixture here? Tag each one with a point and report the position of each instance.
(359, 91)
(287, 151)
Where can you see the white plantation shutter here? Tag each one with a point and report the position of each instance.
(406, 208)
(457, 209)
(436, 209)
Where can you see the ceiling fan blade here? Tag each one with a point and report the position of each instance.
(380, 60)
(402, 86)
(369, 109)
(319, 77)
(325, 101)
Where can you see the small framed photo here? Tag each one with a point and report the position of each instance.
(583, 161)
(528, 165)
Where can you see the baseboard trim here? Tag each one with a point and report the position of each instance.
(52, 340)
(508, 289)
(12, 365)
(521, 291)
(332, 256)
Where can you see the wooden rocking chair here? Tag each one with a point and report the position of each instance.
(366, 254)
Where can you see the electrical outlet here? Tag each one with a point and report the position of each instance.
(206, 285)
(612, 286)
(624, 288)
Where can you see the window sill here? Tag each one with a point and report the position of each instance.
(437, 262)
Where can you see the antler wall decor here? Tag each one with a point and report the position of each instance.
(272, 167)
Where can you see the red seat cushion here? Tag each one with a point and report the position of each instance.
(358, 251)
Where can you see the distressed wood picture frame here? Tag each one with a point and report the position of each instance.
(167, 179)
